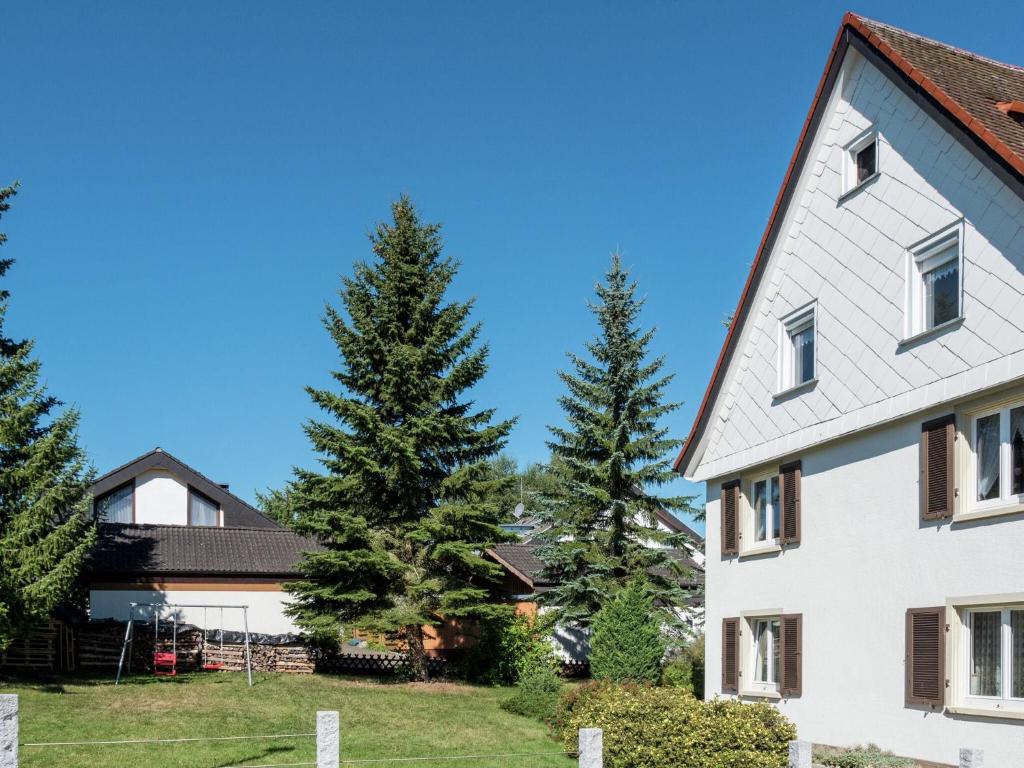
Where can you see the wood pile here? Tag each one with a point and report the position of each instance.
(99, 647)
(49, 648)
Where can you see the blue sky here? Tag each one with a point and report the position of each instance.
(196, 176)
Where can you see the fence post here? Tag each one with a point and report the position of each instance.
(800, 754)
(327, 743)
(8, 730)
(591, 748)
(972, 758)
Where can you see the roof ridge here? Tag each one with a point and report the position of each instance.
(174, 526)
(949, 46)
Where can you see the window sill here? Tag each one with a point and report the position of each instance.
(761, 695)
(999, 714)
(853, 191)
(956, 322)
(799, 389)
(982, 514)
(761, 549)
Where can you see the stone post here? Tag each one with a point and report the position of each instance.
(591, 748)
(972, 758)
(328, 751)
(800, 753)
(8, 730)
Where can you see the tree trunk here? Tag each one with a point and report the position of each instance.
(418, 669)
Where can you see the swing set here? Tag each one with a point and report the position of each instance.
(165, 663)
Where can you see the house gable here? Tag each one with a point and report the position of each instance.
(848, 258)
(162, 483)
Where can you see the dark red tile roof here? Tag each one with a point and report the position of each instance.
(962, 85)
(143, 550)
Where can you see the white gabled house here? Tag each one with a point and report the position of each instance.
(862, 435)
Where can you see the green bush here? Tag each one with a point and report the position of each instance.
(626, 642)
(508, 649)
(869, 756)
(646, 727)
(536, 694)
(685, 669)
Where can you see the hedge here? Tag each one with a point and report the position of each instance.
(647, 727)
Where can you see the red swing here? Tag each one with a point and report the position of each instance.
(165, 664)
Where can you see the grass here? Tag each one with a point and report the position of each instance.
(377, 721)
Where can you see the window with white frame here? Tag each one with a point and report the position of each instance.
(860, 162)
(798, 341)
(994, 657)
(766, 636)
(997, 455)
(764, 503)
(934, 282)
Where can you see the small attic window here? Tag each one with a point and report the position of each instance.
(1013, 109)
(860, 162)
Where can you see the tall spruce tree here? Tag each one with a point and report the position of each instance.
(611, 455)
(45, 531)
(403, 508)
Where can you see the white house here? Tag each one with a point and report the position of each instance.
(862, 435)
(170, 535)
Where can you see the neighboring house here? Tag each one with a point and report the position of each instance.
(862, 436)
(524, 580)
(170, 535)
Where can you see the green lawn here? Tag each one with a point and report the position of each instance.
(377, 721)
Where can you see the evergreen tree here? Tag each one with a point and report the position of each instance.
(402, 507)
(625, 640)
(45, 532)
(609, 456)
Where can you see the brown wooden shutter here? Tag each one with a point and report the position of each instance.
(938, 478)
(791, 650)
(730, 518)
(789, 500)
(730, 655)
(926, 657)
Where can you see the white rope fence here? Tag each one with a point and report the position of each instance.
(328, 753)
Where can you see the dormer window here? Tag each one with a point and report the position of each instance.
(116, 506)
(860, 163)
(202, 510)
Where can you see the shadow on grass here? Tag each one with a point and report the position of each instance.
(261, 754)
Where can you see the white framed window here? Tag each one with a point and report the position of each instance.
(992, 657)
(935, 281)
(766, 652)
(797, 345)
(860, 160)
(997, 457)
(765, 524)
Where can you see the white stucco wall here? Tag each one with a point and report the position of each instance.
(160, 499)
(266, 608)
(850, 256)
(863, 560)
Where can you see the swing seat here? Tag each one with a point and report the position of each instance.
(165, 664)
(213, 665)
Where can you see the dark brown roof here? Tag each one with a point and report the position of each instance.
(143, 550)
(521, 559)
(960, 88)
(237, 513)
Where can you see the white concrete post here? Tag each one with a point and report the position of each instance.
(328, 751)
(591, 748)
(972, 758)
(800, 754)
(8, 730)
